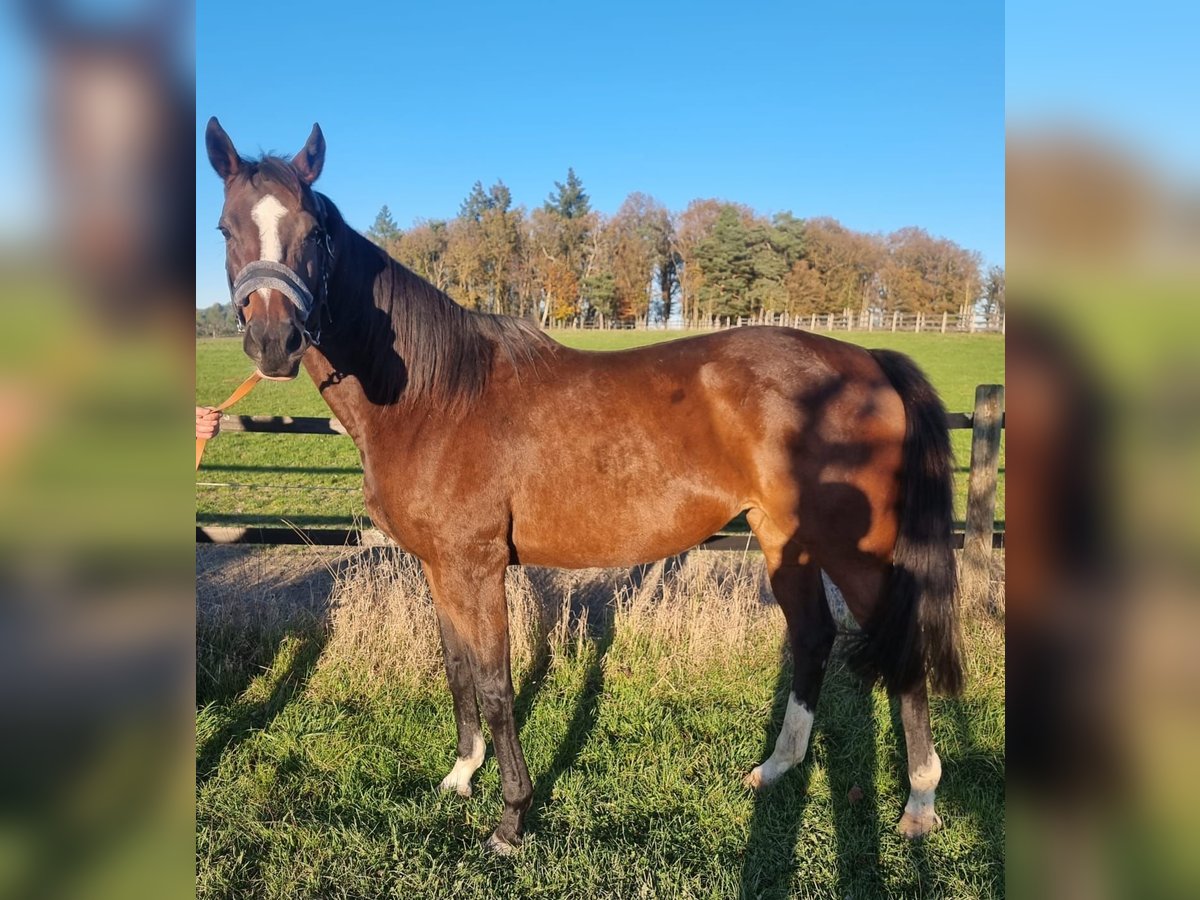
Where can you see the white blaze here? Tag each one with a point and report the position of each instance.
(266, 214)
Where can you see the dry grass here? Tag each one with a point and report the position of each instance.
(373, 614)
(248, 602)
(982, 594)
(690, 611)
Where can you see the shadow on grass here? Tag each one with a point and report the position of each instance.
(844, 724)
(851, 763)
(587, 706)
(770, 857)
(579, 729)
(296, 657)
(249, 670)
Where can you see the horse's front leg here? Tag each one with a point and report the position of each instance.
(471, 745)
(473, 610)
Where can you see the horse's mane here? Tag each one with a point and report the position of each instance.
(404, 339)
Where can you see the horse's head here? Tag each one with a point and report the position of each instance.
(277, 250)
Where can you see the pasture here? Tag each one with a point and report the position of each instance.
(643, 697)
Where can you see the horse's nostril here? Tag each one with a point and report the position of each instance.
(252, 343)
(294, 341)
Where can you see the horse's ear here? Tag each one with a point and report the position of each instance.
(221, 152)
(311, 159)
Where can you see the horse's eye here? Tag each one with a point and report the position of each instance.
(224, 231)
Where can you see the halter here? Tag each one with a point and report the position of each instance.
(263, 273)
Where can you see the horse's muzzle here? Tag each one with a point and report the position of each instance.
(276, 347)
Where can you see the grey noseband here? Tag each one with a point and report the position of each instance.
(263, 273)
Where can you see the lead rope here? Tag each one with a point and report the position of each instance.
(241, 391)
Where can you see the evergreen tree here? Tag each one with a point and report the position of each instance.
(568, 199)
(476, 203)
(385, 231)
(728, 263)
(500, 197)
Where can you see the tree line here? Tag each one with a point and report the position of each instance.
(564, 260)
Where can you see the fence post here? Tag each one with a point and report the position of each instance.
(945, 316)
(981, 488)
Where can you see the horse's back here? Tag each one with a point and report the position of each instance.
(620, 457)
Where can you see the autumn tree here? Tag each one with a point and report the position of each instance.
(424, 249)
(691, 228)
(929, 275)
(639, 243)
(847, 262)
(993, 291)
(562, 231)
(502, 233)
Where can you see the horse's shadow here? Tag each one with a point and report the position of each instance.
(844, 740)
(274, 661)
(600, 633)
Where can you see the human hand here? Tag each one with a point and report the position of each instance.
(208, 422)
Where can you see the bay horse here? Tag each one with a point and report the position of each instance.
(486, 444)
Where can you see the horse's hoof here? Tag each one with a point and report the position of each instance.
(914, 827)
(453, 783)
(755, 781)
(497, 845)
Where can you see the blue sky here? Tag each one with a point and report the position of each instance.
(879, 114)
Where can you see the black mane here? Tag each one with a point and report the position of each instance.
(408, 340)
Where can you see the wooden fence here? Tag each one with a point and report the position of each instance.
(979, 536)
(847, 320)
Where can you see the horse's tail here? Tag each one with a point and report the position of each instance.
(914, 632)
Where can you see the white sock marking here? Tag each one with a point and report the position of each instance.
(791, 745)
(266, 215)
(923, 782)
(459, 779)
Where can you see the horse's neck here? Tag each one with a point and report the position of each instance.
(339, 380)
(343, 393)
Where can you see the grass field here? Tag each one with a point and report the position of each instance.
(323, 723)
(315, 481)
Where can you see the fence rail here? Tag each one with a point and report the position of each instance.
(979, 536)
(847, 320)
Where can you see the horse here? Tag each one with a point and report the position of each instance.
(485, 444)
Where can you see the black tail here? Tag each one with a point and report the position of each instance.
(914, 632)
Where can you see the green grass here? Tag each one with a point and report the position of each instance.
(314, 781)
(315, 481)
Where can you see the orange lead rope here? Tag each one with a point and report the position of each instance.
(242, 390)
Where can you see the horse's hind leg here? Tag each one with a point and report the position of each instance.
(798, 588)
(924, 766)
(863, 584)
